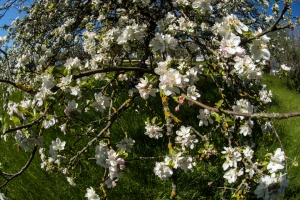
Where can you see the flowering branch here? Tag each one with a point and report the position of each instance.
(111, 120)
(19, 86)
(250, 115)
(29, 124)
(274, 27)
(113, 69)
(169, 117)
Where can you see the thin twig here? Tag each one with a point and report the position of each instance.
(22, 170)
(111, 120)
(274, 27)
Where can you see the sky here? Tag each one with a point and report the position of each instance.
(12, 14)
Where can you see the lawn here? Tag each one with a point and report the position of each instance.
(38, 184)
(285, 100)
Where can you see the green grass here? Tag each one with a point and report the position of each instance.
(285, 100)
(139, 181)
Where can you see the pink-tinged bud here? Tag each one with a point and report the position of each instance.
(181, 100)
(68, 111)
(177, 108)
(120, 161)
(122, 167)
(113, 184)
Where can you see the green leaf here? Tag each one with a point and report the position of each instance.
(4, 137)
(200, 150)
(268, 155)
(50, 8)
(34, 112)
(217, 117)
(219, 104)
(171, 163)
(176, 99)
(56, 70)
(66, 72)
(206, 145)
(16, 120)
(4, 127)
(171, 151)
(229, 121)
(247, 33)
(147, 121)
(25, 111)
(153, 120)
(235, 195)
(265, 163)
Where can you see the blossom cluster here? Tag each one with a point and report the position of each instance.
(112, 160)
(179, 158)
(273, 185)
(28, 140)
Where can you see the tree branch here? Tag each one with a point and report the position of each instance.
(274, 27)
(112, 69)
(250, 115)
(19, 86)
(102, 70)
(111, 120)
(13, 176)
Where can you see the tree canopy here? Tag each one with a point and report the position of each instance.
(190, 70)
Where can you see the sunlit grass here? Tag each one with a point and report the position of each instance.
(139, 181)
(285, 100)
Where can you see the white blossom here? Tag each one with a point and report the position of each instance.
(232, 157)
(153, 131)
(243, 106)
(48, 81)
(162, 169)
(91, 194)
(49, 123)
(125, 144)
(245, 129)
(3, 197)
(232, 174)
(204, 117)
(101, 102)
(146, 89)
(203, 5)
(64, 82)
(229, 45)
(285, 68)
(56, 146)
(185, 138)
(72, 106)
(192, 92)
(71, 181)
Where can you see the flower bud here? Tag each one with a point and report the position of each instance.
(120, 161)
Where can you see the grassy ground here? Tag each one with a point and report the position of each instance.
(136, 184)
(285, 100)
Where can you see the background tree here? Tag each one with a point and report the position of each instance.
(286, 51)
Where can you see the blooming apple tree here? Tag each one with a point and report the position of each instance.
(81, 66)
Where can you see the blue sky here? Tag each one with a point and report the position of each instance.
(12, 14)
